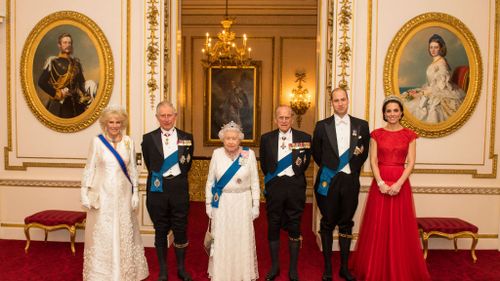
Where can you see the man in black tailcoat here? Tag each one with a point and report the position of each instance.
(168, 193)
(340, 147)
(284, 157)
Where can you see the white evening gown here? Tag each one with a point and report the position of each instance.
(234, 255)
(113, 245)
(441, 98)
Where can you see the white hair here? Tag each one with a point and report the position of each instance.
(231, 126)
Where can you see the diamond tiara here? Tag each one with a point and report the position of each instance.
(392, 98)
(231, 125)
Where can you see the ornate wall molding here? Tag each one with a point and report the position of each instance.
(153, 49)
(198, 178)
(344, 44)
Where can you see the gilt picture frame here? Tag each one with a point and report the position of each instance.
(232, 94)
(439, 92)
(66, 90)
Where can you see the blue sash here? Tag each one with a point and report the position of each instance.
(156, 183)
(117, 156)
(327, 174)
(224, 180)
(284, 163)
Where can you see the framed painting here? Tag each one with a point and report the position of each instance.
(434, 65)
(66, 71)
(232, 94)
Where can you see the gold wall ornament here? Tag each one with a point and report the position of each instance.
(225, 51)
(329, 52)
(344, 52)
(434, 23)
(40, 50)
(152, 50)
(300, 99)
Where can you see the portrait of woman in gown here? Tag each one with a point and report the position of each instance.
(232, 203)
(113, 245)
(388, 246)
(439, 98)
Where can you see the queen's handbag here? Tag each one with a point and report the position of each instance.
(208, 241)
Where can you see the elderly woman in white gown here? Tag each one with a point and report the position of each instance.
(439, 98)
(232, 196)
(109, 192)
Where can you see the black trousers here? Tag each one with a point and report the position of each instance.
(169, 209)
(339, 206)
(285, 201)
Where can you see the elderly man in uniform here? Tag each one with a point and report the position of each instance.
(167, 153)
(284, 158)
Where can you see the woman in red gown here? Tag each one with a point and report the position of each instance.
(388, 247)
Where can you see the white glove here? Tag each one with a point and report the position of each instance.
(208, 210)
(84, 197)
(135, 199)
(255, 209)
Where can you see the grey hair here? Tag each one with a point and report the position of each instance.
(283, 106)
(231, 126)
(116, 110)
(166, 103)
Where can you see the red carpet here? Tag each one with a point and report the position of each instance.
(53, 261)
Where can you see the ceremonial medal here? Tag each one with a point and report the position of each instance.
(166, 138)
(324, 184)
(157, 183)
(298, 162)
(283, 146)
(238, 181)
(216, 197)
(183, 159)
(188, 158)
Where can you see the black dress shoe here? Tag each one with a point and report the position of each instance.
(344, 273)
(326, 278)
(184, 276)
(270, 276)
(162, 278)
(294, 278)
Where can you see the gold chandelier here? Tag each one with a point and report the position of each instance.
(225, 51)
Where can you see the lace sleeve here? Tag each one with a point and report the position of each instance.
(210, 178)
(254, 174)
(132, 166)
(90, 166)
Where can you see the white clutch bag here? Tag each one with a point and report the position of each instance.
(94, 199)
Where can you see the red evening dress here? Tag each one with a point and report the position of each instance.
(388, 247)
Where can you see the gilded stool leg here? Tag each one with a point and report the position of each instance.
(425, 242)
(28, 239)
(46, 233)
(455, 243)
(72, 234)
(473, 247)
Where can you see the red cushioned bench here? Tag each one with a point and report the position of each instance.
(451, 228)
(50, 220)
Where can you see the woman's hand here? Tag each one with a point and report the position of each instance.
(208, 210)
(394, 189)
(255, 212)
(84, 197)
(255, 209)
(135, 199)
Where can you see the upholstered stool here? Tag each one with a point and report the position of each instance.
(50, 220)
(451, 228)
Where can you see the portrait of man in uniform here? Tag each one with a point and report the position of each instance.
(63, 80)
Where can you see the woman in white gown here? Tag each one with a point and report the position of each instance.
(113, 245)
(439, 98)
(232, 210)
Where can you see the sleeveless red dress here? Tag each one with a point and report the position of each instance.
(388, 247)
